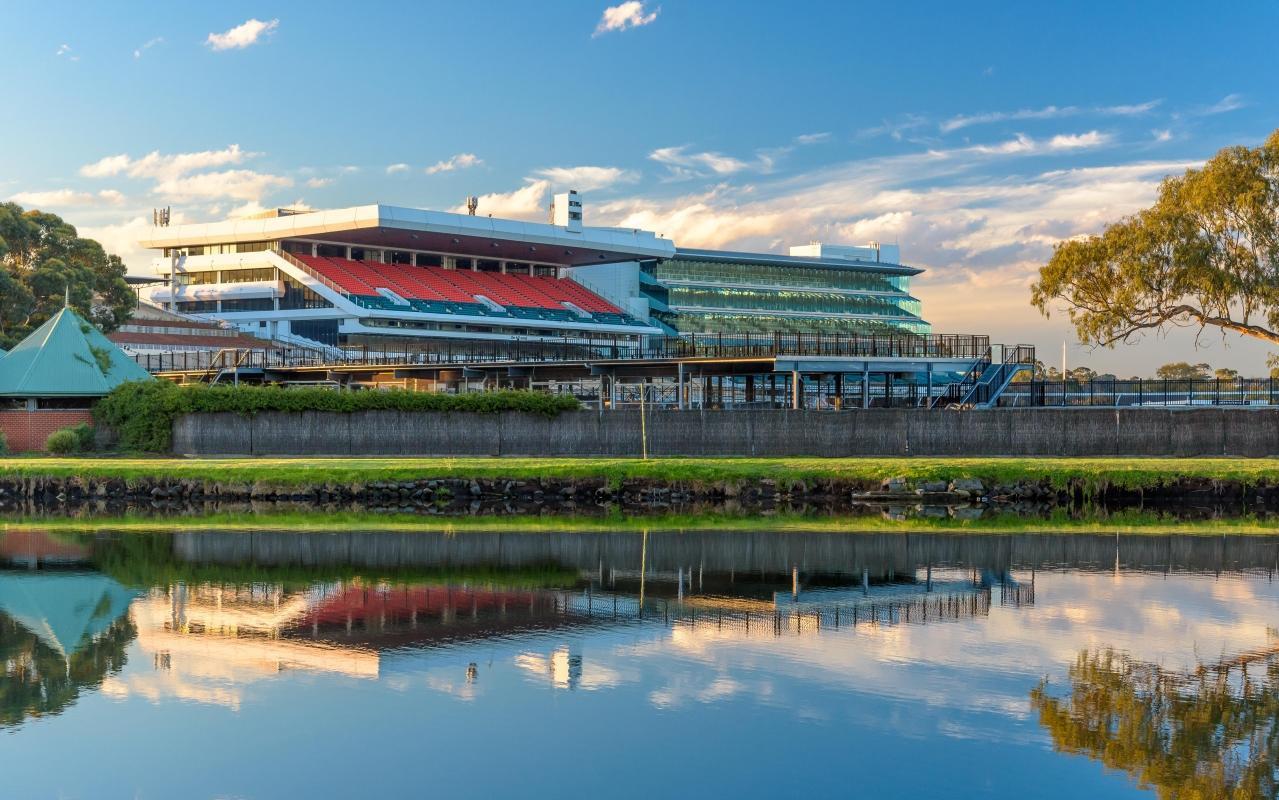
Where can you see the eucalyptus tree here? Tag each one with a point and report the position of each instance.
(1205, 255)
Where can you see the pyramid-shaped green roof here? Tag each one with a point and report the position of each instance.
(64, 610)
(66, 357)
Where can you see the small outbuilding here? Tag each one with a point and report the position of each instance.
(52, 378)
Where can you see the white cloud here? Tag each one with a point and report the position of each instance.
(1026, 145)
(1162, 135)
(65, 50)
(1077, 141)
(242, 36)
(586, 179)
(1231, 102)
(67, 198)
(459, 161)
(684, 163)
(164, 167)
(812, 138)
(395, 169)
(527, 202)
(147, 46)
(237, 184)
(1047, 112)
(122, 239)
(318, 183)
(896, 129)
(631, 14)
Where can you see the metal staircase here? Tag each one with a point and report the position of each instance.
(987, 379)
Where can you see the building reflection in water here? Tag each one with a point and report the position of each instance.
(214, 613)
(63, 629)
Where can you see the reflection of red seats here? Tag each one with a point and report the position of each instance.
(456, 286)
(360, 603)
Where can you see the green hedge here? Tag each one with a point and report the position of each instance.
(142, 412)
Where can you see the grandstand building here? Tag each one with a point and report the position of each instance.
(389, 277)
(379, 275)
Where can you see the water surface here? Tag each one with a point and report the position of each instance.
(752, 664)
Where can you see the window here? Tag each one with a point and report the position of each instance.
(197, 278)
(429, 260)
(248, 275)
(198, 306)
(297, 247)
(251, 304)
(297, 296)
(332, 250)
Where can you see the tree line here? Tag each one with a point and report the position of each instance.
(44, 262)
(1174, 371)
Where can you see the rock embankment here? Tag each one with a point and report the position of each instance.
(578, 495)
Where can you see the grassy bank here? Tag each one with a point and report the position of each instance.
(1060, 472)
(1126, 522)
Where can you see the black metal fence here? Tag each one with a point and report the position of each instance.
(693, 346)
(1142, 393)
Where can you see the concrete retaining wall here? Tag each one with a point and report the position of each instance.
(876, 432)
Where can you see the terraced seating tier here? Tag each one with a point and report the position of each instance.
(437, 284)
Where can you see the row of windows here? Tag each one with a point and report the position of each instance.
(419, 259)
(679, 269)
(218, 249)
(715, 322)
(197, 306)
(811, 302)
(249, 304)
(227, 276)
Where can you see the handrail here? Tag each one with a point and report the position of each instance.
(293, 260)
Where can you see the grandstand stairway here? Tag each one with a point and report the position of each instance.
(982, 385)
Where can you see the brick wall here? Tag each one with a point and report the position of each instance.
(28, 430)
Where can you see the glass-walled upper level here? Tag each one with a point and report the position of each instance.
(786, 300)
(772, 275)
(729, 322)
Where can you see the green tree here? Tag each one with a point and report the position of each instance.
(44, 262)
(42, 681)
(1181, 371)
(1206, 254)
(1208, 734)
(1225, 374)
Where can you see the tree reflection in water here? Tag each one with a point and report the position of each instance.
(38, 680)
(1210, 733)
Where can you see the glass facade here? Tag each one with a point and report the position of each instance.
(297, 296)
(783, 300)
(766, 275)
(690, 294)
(250, 304)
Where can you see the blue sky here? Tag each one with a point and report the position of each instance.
(976, 135)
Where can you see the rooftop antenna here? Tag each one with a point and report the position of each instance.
(160, 216)
(472, 203)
